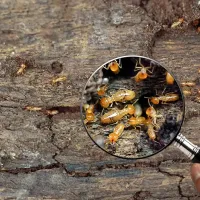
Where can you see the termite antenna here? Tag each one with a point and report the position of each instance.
(149, 103)
(102, 111)
(120, 63)
(164, 90)
(136, 66)
(135, 101)
(157, 142)
(141, 63)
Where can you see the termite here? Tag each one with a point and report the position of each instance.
(151, 113)
(165, 98)
(154, 100)
(102, 90)
(58, 79)
(115, 114)
(88, 108)
(89, 113)
(179, 22)
(114, 136)
(142, 74)
(189, 84)
(33, 108)
(119, 96)
(187, 93)
(136, 121)
(21, 69)
(114, 67)
(51, 112)
(151, 132)
(169, 79)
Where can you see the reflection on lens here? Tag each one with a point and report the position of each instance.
(132, 107)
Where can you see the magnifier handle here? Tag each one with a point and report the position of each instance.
(196, 158)
(188, 148)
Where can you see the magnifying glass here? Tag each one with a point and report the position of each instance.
(132, 107)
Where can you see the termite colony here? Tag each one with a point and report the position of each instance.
(132, 107)
(20, 68)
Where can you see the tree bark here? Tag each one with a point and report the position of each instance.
(51, 157)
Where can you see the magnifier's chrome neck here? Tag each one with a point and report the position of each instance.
(186, 146)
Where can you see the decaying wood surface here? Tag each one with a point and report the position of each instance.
(51, 157)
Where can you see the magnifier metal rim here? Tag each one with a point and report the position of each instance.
(131, 56)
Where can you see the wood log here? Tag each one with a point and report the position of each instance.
(51, 157)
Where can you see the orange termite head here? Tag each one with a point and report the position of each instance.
(137, 79)
(114, 67)
(150, 111)
(90, 109)
(101, 91)
(105, 102)
(142, 74)
(132, 121)
(113, 137)
(181, 20)
(131, 109)
(90, 117)
(52, 112)
(155, 100)
(169, 79)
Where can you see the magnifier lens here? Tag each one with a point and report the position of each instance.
(132, 107)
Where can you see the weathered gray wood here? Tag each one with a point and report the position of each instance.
(53, 158)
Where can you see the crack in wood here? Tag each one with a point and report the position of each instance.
(66, 109)
(31, 169)
(174, 174)
(180, 181)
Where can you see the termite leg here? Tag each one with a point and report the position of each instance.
(138, 127)
(126, 125)
(156, 125)
(137, 68)
(164, 90)
(114, 123)
(97, 114)
(102, 111)
(120, 63)
(135, 101)
(107, 68)
(151, 67)
(149, 103)
(156, 142)
(141, 63)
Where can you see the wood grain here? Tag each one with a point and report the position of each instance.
(46, 157)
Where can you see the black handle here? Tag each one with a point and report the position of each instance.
(196, 158)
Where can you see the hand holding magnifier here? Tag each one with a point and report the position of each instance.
(132, 107)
